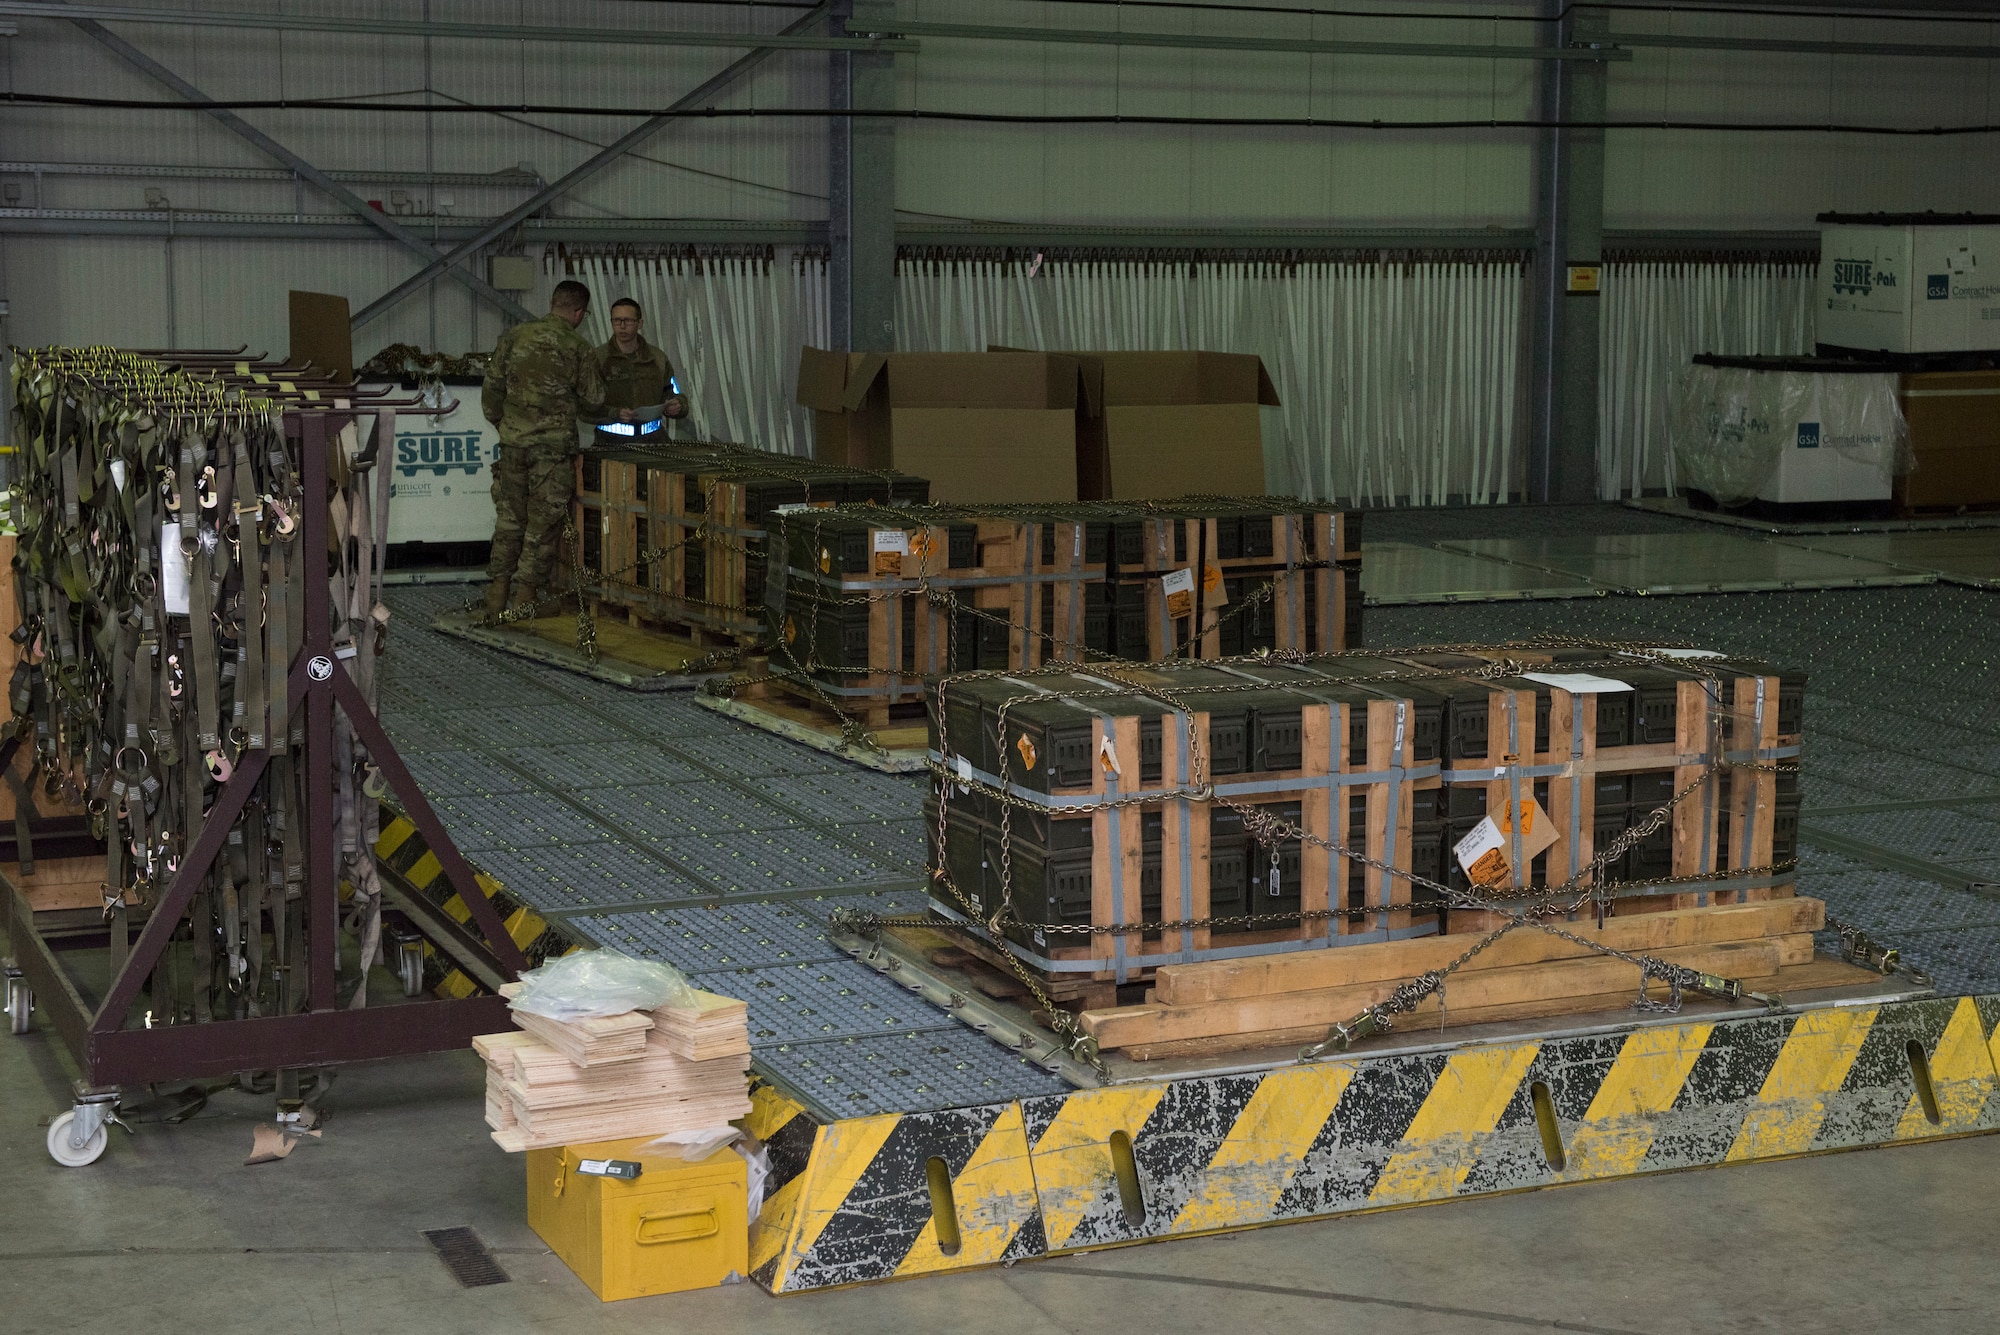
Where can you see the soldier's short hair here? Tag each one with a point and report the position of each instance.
(570, 295)
(627, 301)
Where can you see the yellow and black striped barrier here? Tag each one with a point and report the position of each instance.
(400, 849)
(885, 1197)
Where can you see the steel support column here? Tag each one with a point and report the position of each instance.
(861, 194)
(1569, 230)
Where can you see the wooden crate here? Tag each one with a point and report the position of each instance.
(1020, 587)
(700, 510)
(871, 600)
(1427, 735)
(1300, 752)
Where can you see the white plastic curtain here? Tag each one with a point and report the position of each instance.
(1657, 315)
(1402, 380)
(731, 323)
(1399, 378)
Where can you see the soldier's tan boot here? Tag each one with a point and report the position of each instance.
(526, 604)
(496, 600)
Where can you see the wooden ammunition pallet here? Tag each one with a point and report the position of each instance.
(701, 507)
(895, 743)
(1397, 780)
(1267, 1001)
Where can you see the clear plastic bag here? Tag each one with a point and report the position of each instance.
(600, 982)
(1731, 425)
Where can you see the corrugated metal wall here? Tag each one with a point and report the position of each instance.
(1174, 176)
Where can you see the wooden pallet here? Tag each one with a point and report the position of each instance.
(1527, 974)
(792, 711)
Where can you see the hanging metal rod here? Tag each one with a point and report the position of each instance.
(1284, 45)
(513, 177)
(497, 32)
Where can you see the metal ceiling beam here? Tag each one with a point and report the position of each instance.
(1276, 45)
(512, 177)
(347, 199)
(596, 163)
(496, 32)
(1795, 46)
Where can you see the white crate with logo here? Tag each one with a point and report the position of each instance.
(442, 480)
(1905, 286)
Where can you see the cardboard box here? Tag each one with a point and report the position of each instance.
(981, 426)
(1162, 424)
(1909, 283)
(1954, 419)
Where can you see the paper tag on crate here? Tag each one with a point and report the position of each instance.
(1579, 683)
(891, 546)
(1213, 591)
(1487, 853)
(1178, 586)
(627, 1169)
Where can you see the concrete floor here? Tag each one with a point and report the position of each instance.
(171, 1232)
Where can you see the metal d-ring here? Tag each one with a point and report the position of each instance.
(134, 770)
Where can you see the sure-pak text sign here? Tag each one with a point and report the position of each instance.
(441, 487)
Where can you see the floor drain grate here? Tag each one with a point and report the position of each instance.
(465, 1256)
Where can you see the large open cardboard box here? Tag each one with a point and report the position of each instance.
(1163, 424)
(981, 426)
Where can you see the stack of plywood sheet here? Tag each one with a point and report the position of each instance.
(616, 1077)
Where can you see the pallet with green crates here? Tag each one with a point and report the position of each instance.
(1122, 822)
(671, 536)
(871, 600)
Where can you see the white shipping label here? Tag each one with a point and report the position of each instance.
(891, 546)
(174, 571)
(1178, 586)
(1487, 853)
(1578, 683)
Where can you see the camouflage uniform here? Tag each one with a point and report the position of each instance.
(540, 380)
(637, 380)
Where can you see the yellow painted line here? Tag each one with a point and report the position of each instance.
(773, 1225)
(1472, 1091)
(424, 870)
(1792, 1104)
(994, 1194)
(394, 835)
(1072, 1160)
(1962, 1077)
(1264, 1148)
(770, 1111)
(1642, 1083)
(841, 1154)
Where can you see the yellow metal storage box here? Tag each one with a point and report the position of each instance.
(678, 1226)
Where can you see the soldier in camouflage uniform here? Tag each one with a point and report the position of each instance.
(541, 379)
(637, 375)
